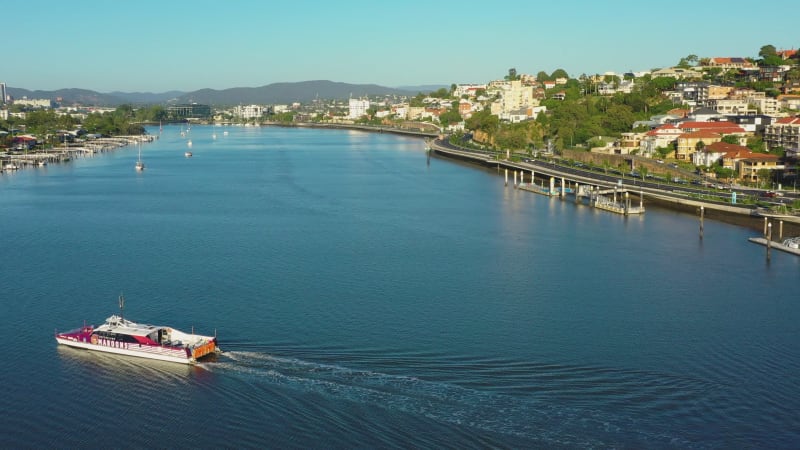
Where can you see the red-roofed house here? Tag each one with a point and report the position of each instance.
(717, 127)
(744, 162)
(786, 54)
(464, 107)
(719, 152)
(784, 132)
(687, 142)
(729, 63)
(23, 141)
(661, 137)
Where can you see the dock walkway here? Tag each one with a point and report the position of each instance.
(775, 245)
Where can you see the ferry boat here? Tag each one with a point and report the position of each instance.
(123, 337)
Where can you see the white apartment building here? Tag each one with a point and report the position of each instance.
(785, 132)
(766, 105)
(514, 96)
(249, 111)
(728, 106)
(358, 108)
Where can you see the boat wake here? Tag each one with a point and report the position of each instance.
(528, 418)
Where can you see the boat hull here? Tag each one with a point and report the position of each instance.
(129, 349)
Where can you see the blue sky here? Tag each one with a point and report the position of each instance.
(156, 46)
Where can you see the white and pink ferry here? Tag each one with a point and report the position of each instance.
(123, 337)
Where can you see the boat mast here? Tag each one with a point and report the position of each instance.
(121, 308)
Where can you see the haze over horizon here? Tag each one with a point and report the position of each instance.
(151, 46)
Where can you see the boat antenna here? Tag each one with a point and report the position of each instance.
(121, 307)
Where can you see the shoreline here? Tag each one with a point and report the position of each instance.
(10, 163)
(737, 215)
(742, 216)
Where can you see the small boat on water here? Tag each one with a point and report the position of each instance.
(792, 242)
(123, 337)
(139, 162)
(188, 154)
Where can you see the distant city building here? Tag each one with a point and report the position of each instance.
(189, 111)
(3, 94)
(400, 110)
(250, 111)
(34, 102)
(358, 108)
(514, 97)
(468, 89)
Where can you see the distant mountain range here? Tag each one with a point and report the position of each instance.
(276, 93)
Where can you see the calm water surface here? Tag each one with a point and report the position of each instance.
(368, 297)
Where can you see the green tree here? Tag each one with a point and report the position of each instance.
(512, 75)
(622, 167)
(769, 56)
(440, 93)
(723, 173)
(700, 146)
(483, 120)
(663, 151)
(285, 117)
(449, 117)
(764, 177)
(662, 84)
(559, 73)
(542, 76)
(730, 139)
(618, 118)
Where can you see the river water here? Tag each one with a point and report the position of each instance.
(367, 296)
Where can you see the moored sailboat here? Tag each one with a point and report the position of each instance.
(139, 162)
